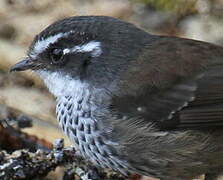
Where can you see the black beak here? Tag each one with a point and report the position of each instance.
(23, 65)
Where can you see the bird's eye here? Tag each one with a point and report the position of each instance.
(56, 55)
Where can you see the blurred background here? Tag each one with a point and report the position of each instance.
(21, 20)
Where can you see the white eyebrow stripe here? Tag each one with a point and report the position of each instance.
(93, 46)
(42, 44)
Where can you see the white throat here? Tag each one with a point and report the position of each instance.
(62, 85)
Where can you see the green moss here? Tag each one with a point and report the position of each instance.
(175, 6)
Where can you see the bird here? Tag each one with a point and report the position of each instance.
(132, 101)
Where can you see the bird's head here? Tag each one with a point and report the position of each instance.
(86, 49)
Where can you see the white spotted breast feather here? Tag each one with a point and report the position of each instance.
(75, 115)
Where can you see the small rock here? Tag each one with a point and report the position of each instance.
(58, 144)
(24, 121)
(7, 31)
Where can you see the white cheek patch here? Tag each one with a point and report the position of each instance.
(42, 44)
(93, 46)
(60, 84)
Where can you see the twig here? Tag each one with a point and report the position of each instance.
(23, 164)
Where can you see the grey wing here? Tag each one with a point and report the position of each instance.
(207, 108)
(193, 103)
(174, 84)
